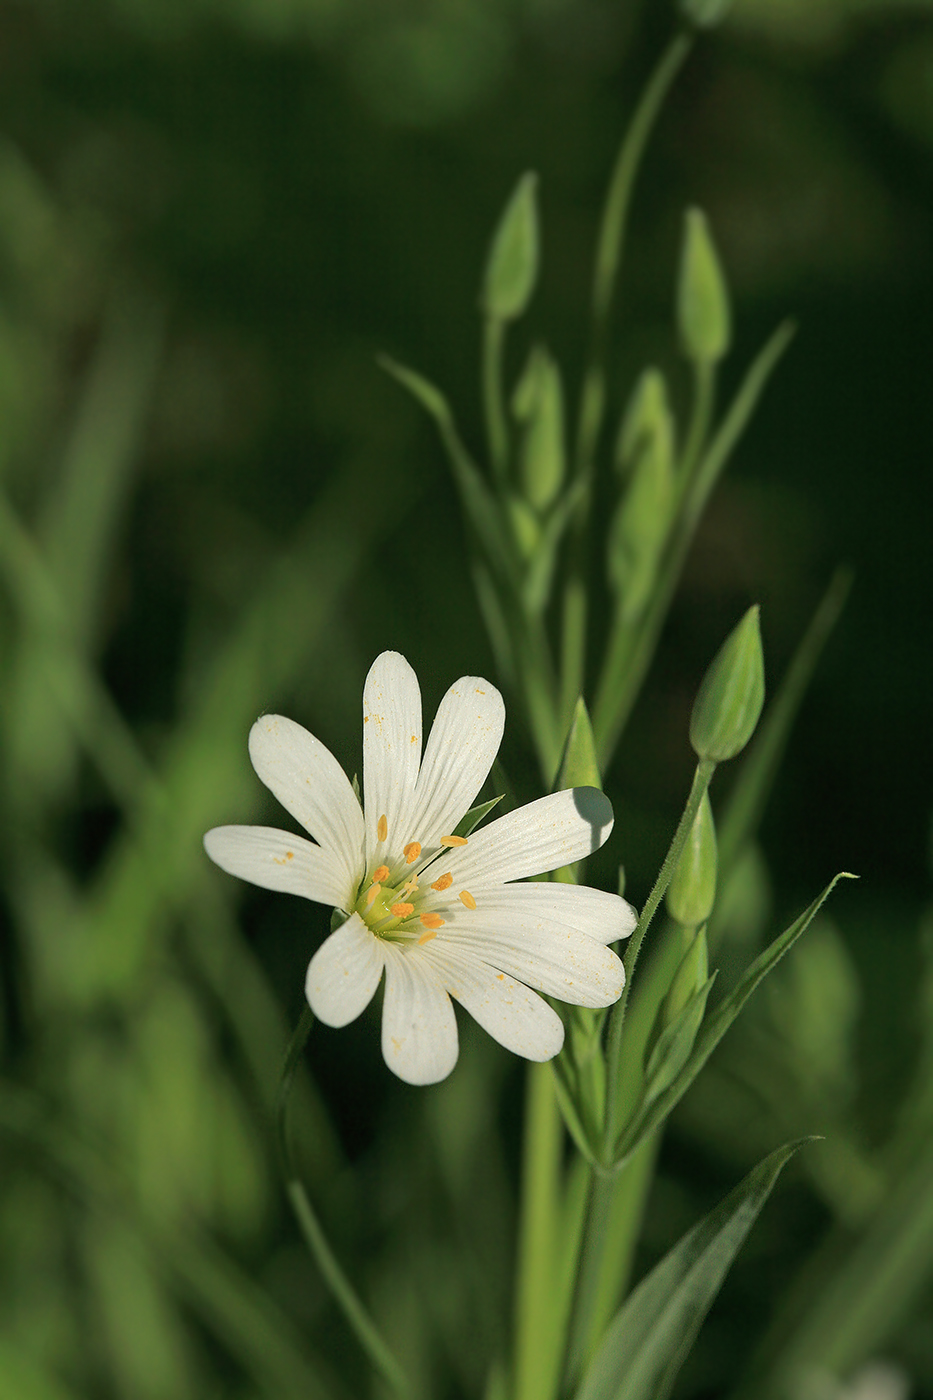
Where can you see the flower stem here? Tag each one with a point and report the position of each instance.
(537, 1351)
(340, 1286)
(701, 781)
(496, 430)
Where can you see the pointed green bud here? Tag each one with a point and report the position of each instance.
(730, 698)
(647, 422)
(539, 403)
(692, 891)
(705, 13)
(675, 1042)
(512, 265)
(690, 976)
(525, 526)
(703, 316)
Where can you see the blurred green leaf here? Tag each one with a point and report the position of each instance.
(651, 1336)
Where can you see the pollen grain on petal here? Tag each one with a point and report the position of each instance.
(371, 894)
(453, 840)
(382, 828)
(412, 851)
(444, 883)
(283, 860)
(381, 873)
(432, 921)
(467, 899)
(414, 738)
(402, 910)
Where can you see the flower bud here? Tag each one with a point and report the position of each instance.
(647, 420)
(539, 403)
(705, 13)
(692, 890)
(640, 525)
(525, 527)
(730, 698)
(690, 976)
(512, 265)
(702, 296)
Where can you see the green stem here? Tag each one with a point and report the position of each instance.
(496, 430)
(340, 1286)
(701, 781)
(537, 1349)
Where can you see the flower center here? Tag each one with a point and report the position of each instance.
(394, 908)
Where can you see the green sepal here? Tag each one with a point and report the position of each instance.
(512, 265)
(475, 815)
(731, 695)
(692, 891)
(714, 1028)
(651, 1335)
(703, 315)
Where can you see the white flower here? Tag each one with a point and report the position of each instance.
(437, 912)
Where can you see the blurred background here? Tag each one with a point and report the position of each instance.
(213, 217)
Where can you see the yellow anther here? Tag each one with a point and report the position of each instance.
(402, 911)
(427, 936)
(453, 840)
(467, 899)
(432, 921)
(371, 894)
(412, 851)
(444, 883)
(382, 828)
(382, 873)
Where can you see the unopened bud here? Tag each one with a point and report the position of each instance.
(512, 265)
(692, 891)
(702, 296)
(705, 13)
(690, 976)
(647, 421)
(525, 527)
(730, 698)
(539, 403)
(640, 525)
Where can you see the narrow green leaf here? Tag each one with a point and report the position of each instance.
(579, 767)
(651, 1335)
(512, 267)
(716, 1025)
(479, 503)
(475, 815)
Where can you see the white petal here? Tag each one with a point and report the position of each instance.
(602, 916)
(541, 836)
(514, 1016)
(463, 742)
(391, 752)
(543, 952)
(419, 1028)
(310, 783)
(277, 860)
(344, 973)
